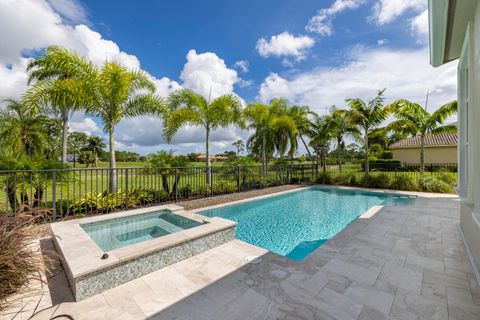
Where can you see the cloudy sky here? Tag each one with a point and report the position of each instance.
(313, 53)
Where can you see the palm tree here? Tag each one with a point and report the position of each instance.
(320, 134)
(24, 128)
(274, 130)
(239, 145)
(117, 94)
(300, 115)
(367, 116)
(414, 120)
(58, 78)
(96, 146)
(340, 126)
(190, 108)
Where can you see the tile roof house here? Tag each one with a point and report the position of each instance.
(439, 148)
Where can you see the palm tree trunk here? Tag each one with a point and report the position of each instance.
(96, 160)
(305, 145)
(264, 158)
(113, 164)
(64, 134)
(339, 153)
(367, 167)
(208, 176)
(422, 154)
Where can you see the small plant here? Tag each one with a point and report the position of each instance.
(19, 261)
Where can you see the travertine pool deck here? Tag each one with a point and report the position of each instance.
(398, 263)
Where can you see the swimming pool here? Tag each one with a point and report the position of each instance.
(121, 232)
(296, 223)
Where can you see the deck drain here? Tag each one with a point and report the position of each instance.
(281, 274)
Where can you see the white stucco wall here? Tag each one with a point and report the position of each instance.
(470, 213)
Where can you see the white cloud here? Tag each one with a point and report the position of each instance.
(367, 71)
(165, 86)
(14, 79)
(381, 42)
(322, 24)
(385, 11)
(90, 44)
(79, 122)
(208, 75)
(243, 65)
(285, 44)
(70, 10)
(419, 26)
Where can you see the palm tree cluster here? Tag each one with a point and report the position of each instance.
(61, 82)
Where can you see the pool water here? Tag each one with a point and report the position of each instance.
(296, 223)
(116, 233)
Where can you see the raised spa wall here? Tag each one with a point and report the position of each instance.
(88, 274)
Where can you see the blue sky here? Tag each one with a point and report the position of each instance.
(314, 53)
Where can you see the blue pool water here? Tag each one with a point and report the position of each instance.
(116, 233)
(296, 223)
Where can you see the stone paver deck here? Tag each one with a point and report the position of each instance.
(401, 263)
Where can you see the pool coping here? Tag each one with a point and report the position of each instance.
(82, 258)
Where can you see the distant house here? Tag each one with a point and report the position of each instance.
(203, 157)
(439, 148)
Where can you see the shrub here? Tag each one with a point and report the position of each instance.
(386, 154)
(381, 180)
(346, 179)
(324, 178)
(433, 184)
(19, 261)
(403, 182)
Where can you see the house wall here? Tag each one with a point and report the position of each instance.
(432, 154)
(470, 209)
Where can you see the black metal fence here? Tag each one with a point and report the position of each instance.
(77, 192)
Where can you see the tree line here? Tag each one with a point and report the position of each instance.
(61, 82)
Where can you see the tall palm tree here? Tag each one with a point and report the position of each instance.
(414, 120)
(96, 146)
(240, 145)
(24, 128)
(274, 130)
(300, 115)
(320, 134)
(117, 94)
(368, 116)
(58, 78)
(190, 108)
(340, 126)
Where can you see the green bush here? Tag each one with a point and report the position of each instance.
(324, 178)
(346, 179)
(433, 184)
(381, 180)
(403, 182)
(386, 154)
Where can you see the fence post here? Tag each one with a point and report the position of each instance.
(176, 184)
(238, 178)
(54, 195)
(126, 188)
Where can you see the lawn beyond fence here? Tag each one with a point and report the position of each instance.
(85, 191)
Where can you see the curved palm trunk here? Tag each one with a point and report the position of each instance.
(305, 145)
(208, 174)
(64, 134)
(339, 153)
(113, 164)
(367, 167)
(422, 154)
